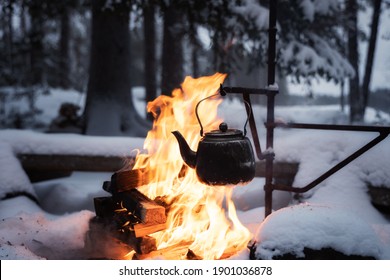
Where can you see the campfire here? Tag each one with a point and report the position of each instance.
(159, 208)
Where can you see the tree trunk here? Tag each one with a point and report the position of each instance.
(109, 106)
(150, 55)
(220, 55)
(36, 43)
(342, 100)
(355, 98)
(64, 49)
(172, 53)
(371, 51)
(8, 34)
(194, 59)
(24, 34)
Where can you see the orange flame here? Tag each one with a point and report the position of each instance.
(201, 215)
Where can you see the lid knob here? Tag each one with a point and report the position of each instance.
(223, 127)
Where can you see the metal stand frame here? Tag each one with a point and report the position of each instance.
(270, 124)
(270, 92)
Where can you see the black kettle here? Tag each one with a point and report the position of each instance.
(224, 156)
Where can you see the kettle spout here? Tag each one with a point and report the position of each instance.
(188, 155)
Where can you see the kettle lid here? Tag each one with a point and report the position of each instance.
(224, 131)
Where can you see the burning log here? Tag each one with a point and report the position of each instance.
(178, 251)
(126, 217)
(141, 230)
(149, 218)
(124, 220)
(174, 252)
(142, 207)
(130, 179)
(104, 206)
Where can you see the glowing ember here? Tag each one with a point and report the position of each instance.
(198, 214)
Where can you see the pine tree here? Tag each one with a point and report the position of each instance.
(109, 107)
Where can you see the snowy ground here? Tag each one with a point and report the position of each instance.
(336, 214)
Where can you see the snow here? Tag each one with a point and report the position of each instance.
(320, 57)
(310, 7)
(253, 12)
(380, 71)
(31, 142)
(13, 178)
(336, 214)
(316, 226)
(33, 234)
(44, 98)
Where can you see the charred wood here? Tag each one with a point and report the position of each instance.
(104, 207)
(144, 217)
(129, 179)
(142, 207)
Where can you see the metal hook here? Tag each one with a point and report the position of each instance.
(249, 114)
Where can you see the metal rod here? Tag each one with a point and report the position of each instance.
(268, 187)
(381, 129)
(335, 168)
(269, 154)
(244, 90)
(272, 41)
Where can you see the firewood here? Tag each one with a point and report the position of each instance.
(119, 217)
(145, 229)
(141, 206)
(107, 186)
(180, 251)
(145, 245)
(104, 206)
(174, 252)
(129, 179)
(133, 224)
(126, 220)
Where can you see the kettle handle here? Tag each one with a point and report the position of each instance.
(196, 112)
(200, 123)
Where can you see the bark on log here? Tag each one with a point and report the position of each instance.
(142, 207)
(104, 207)
(129, 179)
